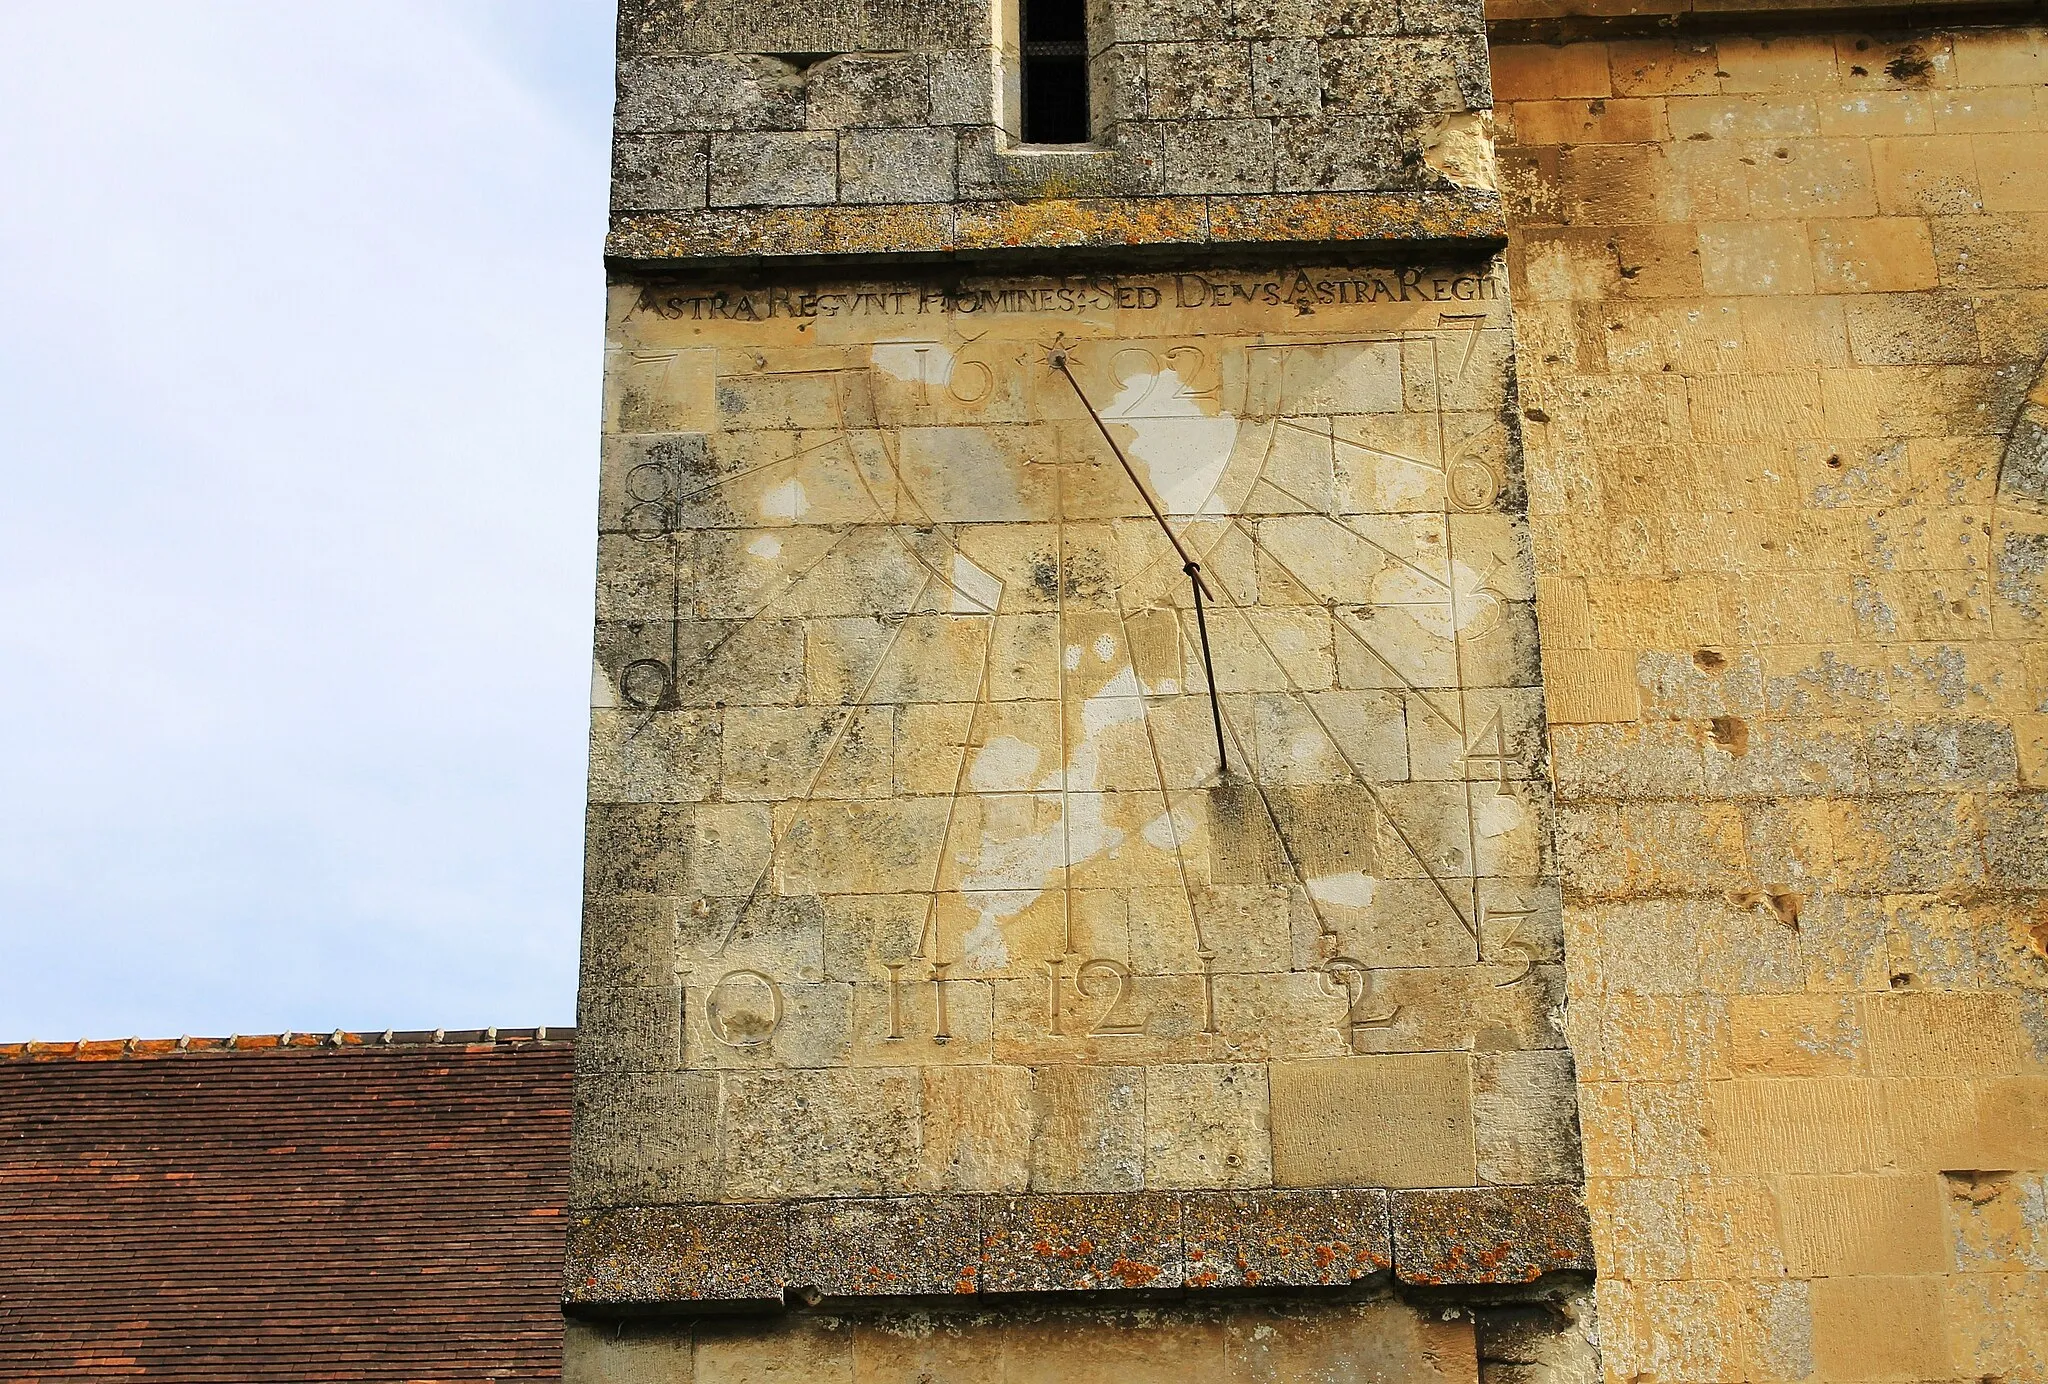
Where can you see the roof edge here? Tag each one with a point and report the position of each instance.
(340, 1040)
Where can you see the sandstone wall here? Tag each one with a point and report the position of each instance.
(1780, 300)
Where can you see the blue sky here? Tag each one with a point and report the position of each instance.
(300, 333)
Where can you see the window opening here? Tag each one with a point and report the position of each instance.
(1055, 77)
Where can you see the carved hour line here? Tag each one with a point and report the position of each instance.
(824, 764)
(1371, 789)
(1058, 360)
(722, 481)
(1367, 539)
(1059, 596)
(1180, 863)
(1428, 702)
(1323, 925)
(1208, 960)
(1458, 644)
(1359, 636)
(929, 938)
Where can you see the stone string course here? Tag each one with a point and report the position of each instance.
(723, 1257)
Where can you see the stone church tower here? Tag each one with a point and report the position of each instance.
(1074, 884)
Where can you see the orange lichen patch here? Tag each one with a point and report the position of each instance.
(1133, 1273)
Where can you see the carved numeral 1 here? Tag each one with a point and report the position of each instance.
(941, 1028)
(895, 970)
(1054, 969)
(1209, 992)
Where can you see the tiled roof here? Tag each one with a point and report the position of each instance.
(288, 1207)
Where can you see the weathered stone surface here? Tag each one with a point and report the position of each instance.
(725, 92)
(886, 1248)
(859, 89)
(1400, 1120)
(1284, 1238)
(1525, 1116)
(1041, 1244)
(659, 172)
(776, 169)
(896, 165)
(1492, 1235)
(655, 1254)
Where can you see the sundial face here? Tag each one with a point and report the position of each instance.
(1030, 712)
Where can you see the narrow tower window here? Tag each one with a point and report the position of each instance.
(1055, 58)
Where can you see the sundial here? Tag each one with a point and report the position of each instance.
(1040, 721)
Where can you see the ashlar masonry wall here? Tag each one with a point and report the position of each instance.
(1781, 308)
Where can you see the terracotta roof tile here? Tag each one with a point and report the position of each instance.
(376, 1207)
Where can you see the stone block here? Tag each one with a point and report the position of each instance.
(1584, 686)
(1812, 1125)
(778, 169)
(659, 171)
(1490, 1235)
(820, 1133)
(1049, 1243)
(1163, 21)
(1219, 156)
(1879, 1328)
(1935, 1035)
(729, 91)
(977, 1129)
(1286, 78)
(610, 1352)
(963, 86)
(1397, 1120)
(652, 756)
(868, 89)
(1206, 1125)
(675, 26)
(1088, 1129)
(1863, 1224)
(1196, 81)
(1340, 153)
(656, 1254)
(896, 165)
(629, 1028)
(885, 1247)
(1282, 1239)
(1525, 1117)
(1405, 76)
(1794, 1035)
(645, 1137)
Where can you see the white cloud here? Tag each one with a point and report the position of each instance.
(300, 317)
